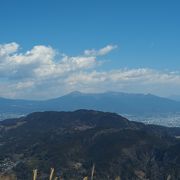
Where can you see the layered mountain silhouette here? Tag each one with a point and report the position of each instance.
(72, 142)
(175, 97)
(109, 101)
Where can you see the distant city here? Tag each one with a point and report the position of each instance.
(164, 119)
(4, 116)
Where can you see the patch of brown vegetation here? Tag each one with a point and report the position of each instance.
(8, 177)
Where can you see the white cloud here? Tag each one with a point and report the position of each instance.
(6, 49)
(101, 52)
(40, 73)
(126, 77)
(39, 63)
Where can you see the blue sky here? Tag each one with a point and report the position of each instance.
(145, 36)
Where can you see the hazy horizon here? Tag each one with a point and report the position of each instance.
(173, 97)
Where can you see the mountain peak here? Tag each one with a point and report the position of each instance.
(75, 93)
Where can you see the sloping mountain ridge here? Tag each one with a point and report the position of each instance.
(109, 101)
(174, 97)
(116, 102)
(72, 141)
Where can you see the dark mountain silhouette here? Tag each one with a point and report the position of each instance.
(109, 101)
(72, 141)
(175, 97)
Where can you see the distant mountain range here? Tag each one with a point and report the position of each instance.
(110, 101)
(175, 97)
(72, 141)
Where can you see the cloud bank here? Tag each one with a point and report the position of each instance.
(41, 73)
